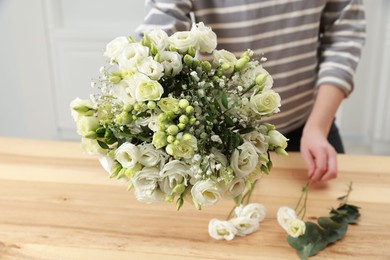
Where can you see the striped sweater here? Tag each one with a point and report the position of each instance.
(306, 42)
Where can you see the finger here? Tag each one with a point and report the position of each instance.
(321, 165)
(309, 159)
(331, 172)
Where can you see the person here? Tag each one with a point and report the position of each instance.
(312, 50)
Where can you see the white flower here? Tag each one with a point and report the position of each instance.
(87, 124)
(159, 139)
(186, 147)
(221, 229)
(80, 107)
(151, 68)
(91, 147)
(223, 56)
(254, 211)
(284, 215)
(145, 182)
(252, 70)
(142, 88)
(259, 140)
(173, 173)
(122, 91)
(169, 104)
(159, 39)
(276, 139)
(207, 39)
(182, 41)
(107, 163)
(131, 56)
(236, 187)
(244, 159)
(127, 155)
(150, 196)
(115, 47)
(149, 156)
(296, 227)
(265, 103)
(206, 192)
(171, 62)
(244, 225)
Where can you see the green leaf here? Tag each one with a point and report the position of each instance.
(246, 130)
(228, 120)
(102, 144)
(217, 106)
(224, 100)
(328, 223)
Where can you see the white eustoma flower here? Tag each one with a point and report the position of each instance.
(107, 163)
(145, 182)
(206, 192)
(207, 39)
(186, 146)
(284, 215)
(244, 159)
(244, 225)
(87, 124)
(149, 156)
(276, 139)
(127, 155)
(259, 140)
(296, 227)
(173, 173)
(151, 68)
(122, 91)
(131, 56)
(265, 103)
(115, 47)
(171, 62)
(81, 107)
(150, 196)
(221, 229)
(169, 105)
(236, 187)
(183, 40)
(159, 39)
(91, 147)
(254, 211)
(252, 70)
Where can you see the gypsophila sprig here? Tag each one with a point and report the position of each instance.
(175, 126)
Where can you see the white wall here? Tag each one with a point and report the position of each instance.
(51, 49)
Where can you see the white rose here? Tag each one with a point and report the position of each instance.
(183, 40)
(207, 39)
(142, 88)
(276, 139)
(244, 159)
(151, 68)
(127, 155)
(265, 103)
(115, 47)
(259, 140)
(173, 173)
(206, 192)
(236, 187)
(254, 211)
(149, 156)
(171, 62)
(221, 229)
(145, 181)
(296, 227)
(284, 215)
(159, 39)
(87, 124)
(131, 56)
(244, 225)
(224, 57)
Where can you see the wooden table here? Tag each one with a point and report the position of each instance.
(57, 203)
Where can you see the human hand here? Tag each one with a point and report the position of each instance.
(319, 155)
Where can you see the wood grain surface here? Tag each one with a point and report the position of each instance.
(58, 203)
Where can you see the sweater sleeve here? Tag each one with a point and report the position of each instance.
(168, 15)
(341, 41)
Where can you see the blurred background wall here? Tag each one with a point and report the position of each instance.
(51, 49)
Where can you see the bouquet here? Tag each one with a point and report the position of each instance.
(177, 127)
